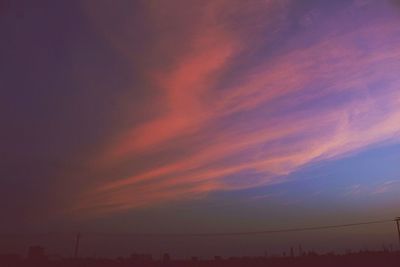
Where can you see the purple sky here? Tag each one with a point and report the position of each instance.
(207, 116)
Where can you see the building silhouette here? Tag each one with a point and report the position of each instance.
(36, 254)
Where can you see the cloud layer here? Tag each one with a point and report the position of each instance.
(241, 95)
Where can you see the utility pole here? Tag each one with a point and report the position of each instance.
(78, 238)
(398, 227)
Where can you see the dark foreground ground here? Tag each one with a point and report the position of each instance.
(366, 259)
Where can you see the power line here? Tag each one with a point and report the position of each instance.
(204, 234)
(217, 234)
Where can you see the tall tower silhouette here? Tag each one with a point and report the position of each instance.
(398, 227)
(78, 239)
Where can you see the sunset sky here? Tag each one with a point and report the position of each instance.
(198, 117)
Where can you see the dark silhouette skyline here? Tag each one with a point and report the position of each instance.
(36, 257)
(36, 253)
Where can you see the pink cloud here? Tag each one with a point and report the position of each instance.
(194, 101)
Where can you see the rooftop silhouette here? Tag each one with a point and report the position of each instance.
(36, 257)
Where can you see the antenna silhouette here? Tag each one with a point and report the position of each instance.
(398, 227)
(78, 238)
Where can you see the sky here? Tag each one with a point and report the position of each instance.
(198, 116)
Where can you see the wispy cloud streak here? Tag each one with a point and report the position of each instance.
(235, 128)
